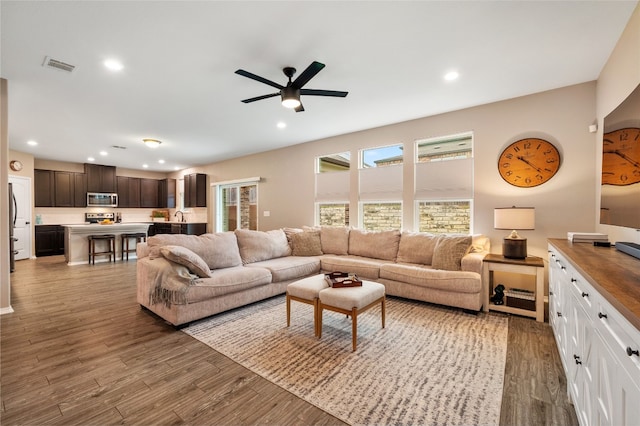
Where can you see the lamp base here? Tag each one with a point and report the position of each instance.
(514, 248)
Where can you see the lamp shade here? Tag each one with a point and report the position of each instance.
(514, 218)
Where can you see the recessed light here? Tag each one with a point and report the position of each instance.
(161, 161)
(103, 153)
(32, 143)
(176, 168)
(452, 75)
(91, 159)
(146, 166)
(281, 125)
(113, 65)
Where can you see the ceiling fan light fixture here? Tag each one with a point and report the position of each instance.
(151, 143)
(290, 97)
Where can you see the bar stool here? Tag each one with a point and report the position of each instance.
(111, 249)
(124, 243)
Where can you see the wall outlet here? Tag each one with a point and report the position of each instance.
(266, 213)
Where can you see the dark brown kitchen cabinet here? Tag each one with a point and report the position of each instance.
(177, 228)
(167, 193)
(195, 190)
(149, 189)
(64, 189)
(80, 196)
(100, 178)
(122, 187)
(44, 188)
(134, 192)
(128, 192)
(49, 240)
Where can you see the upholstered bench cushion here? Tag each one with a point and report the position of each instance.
(363, 267)
(455, 281)
(352, 297)
(226, 281)
(307, 288)
(290, 267)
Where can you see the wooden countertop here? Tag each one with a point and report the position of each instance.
(615, 275)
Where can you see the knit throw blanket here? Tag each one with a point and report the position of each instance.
(170, 282)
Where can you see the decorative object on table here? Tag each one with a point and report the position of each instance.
(498, 296)
(529, 162)
(342, 279)
(515, 218)
(520, 298)
(587, 237)
(160, 215)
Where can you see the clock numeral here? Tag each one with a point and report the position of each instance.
(527, 180)
(624, 136)
(508, 172)
(506, 165)
(527, 145)
(550, 160)
(509, 156)
(539, 177)
(624, 178)
(516, 149)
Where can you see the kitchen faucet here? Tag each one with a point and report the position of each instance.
(181, 215)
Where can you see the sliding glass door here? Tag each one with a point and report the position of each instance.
(238, 207)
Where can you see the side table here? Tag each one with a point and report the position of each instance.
(531, 265)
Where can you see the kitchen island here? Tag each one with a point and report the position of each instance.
(76, 244)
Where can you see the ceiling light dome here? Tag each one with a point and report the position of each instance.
(151, 143)
(290, 97)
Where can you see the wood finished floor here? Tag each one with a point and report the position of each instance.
(79, 350)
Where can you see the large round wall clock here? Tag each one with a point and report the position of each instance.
(529, 162)
(621, 157)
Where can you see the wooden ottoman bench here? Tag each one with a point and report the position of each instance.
(306, 291)
(351, 301)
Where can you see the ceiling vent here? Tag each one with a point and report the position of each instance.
(59, 65)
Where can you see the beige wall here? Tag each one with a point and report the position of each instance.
(565, 203)
(619, 77)
(5, 288)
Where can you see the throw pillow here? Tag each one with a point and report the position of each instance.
(186, 257)
(449, 251)
(306, 243)
(256, 246)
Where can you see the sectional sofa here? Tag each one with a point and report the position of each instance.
(183, 278)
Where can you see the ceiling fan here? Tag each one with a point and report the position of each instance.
(290, 93)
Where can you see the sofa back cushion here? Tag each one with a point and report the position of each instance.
(449, 251)
(218, 250)
(416, 247)
(375, 244)
(256, 246)
(334, 239)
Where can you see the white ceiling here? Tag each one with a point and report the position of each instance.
(178, 83)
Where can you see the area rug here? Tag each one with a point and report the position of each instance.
(430, 365)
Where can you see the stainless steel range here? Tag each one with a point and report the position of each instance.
(97, 217)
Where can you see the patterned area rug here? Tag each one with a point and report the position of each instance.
(430, 365)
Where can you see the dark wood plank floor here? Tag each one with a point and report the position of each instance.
(79, 350)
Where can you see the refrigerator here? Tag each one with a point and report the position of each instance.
(13, 214)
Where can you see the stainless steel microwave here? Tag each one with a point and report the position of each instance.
(99, 199)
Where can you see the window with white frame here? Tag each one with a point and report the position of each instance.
(444, 184)
(333, 214)
(333, 163)
(237, 206)
(381, 216)
(381, 156)
(332, 189)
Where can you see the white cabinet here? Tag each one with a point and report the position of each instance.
(597, 346)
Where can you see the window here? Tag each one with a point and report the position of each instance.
(383, 156)
(381, 216)
(237, 206)
(334, 163)
(333, 214)
(440, 217)
(452, 147)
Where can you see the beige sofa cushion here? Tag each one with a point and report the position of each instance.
(186, 257)
(375, 244)
(256, 246)
(227, 281)
(306, 243)
(218, 250)
(334, 239)
(449, 251)
(289, 268)
(452, 281)
(363, 267)
(416, 247)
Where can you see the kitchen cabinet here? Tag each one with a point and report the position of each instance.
(195, 190)
(149, 193)
(167, 193)
(80, 196)
(64, 189)
(100, 178)
(596, 331)
(49, 240)
(43, 188)
(177, 228)
(128, 192)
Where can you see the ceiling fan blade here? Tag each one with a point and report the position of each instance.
(307, 74)
(315, 92)
(259, 98)
(299, 108)
(258, 78)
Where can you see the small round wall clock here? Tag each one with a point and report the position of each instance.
(529, 162)
(15, 165)
(621, 157)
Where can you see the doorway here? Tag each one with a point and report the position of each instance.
(237, 207)
(22, 230)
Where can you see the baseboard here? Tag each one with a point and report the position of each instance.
(6, 310)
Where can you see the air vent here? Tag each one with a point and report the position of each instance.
(118, 147)
(59, 65)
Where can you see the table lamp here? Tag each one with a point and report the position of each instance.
(514, 218)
